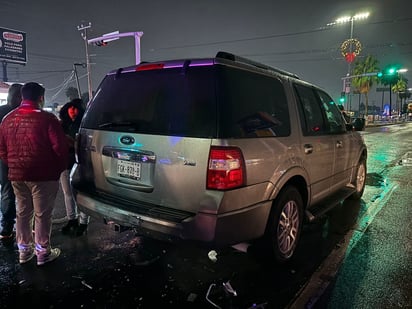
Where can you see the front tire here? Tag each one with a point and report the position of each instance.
(285, 224)
(359, 181)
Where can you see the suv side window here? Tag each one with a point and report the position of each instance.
(333, 115)
(251, 105)
(311, 115)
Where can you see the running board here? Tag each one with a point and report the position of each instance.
(327, 204)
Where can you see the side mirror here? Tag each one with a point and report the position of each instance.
(349, 127)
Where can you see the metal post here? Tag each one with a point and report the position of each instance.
(5, 71)
(89, 73)
(115, 35)
(390, 99)
(137, 36)
(77, 79)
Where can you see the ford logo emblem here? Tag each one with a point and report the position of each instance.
(127, 140)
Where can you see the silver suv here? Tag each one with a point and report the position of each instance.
(220, 150)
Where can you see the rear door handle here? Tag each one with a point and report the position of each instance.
(308, 148)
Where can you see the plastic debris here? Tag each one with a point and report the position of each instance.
(229, 289)
(191, 297)
(212, 255)
(207, 296)
(86, 285)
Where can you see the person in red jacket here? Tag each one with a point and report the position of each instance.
(34, 147)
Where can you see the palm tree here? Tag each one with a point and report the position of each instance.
(400, 88)
(365, 79)
(390, 77)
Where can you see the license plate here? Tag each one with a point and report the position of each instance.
(128, 169)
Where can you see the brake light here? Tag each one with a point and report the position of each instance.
(150, 66)
(226, 168)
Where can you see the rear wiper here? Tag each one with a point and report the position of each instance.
(117, 124)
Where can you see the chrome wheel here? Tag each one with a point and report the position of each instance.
(359, 181)
(360, 178)
(285, 224)
(288, 229)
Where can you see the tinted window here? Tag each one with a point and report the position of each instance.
(310, 112)
(184, 103)
(333, 114)
(251, 105)
(165, 102)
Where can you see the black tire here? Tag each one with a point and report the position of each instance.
(285, 224)
(359, 181)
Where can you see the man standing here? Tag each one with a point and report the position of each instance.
(8, 199)
(34, 146)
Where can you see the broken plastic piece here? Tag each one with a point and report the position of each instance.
(228, 287)
(212, 255)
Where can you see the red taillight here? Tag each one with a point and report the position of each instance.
(150, 66)
(226, 168)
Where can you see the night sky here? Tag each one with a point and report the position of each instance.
(290, 35)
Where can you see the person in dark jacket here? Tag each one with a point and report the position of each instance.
(34, 147)
(71, 115)
(8, 199)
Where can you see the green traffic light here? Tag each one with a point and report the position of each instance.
(391, 71)
(380, 74)
(342, 100)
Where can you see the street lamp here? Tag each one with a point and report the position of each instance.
(351, 47)
(351, 19)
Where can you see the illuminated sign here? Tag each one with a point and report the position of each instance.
(13, 46)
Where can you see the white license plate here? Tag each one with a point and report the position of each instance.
(128, 169)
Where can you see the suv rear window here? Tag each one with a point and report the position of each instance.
(200, 101)
(164, 102)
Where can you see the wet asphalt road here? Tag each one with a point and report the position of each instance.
(108, 269)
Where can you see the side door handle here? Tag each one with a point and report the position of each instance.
(339, 144)
(308, 148)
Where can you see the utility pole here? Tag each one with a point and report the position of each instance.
(84, 28)
(77, 77)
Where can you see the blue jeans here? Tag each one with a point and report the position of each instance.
(8, 199)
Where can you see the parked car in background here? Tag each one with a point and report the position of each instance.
(359, 124)
(217, 150)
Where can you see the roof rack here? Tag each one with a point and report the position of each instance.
(229, 56)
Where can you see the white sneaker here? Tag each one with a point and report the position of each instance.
(26, 255)
(46, 258)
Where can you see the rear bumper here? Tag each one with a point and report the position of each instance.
(213, 229)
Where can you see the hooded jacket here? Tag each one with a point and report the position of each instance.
(71, 127)
(33, 144)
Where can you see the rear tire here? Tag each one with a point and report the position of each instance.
(359, 181)
(285, 224)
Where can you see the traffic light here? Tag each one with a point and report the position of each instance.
(100, 43)
(391, 70)
(342, 98)
(380, 74)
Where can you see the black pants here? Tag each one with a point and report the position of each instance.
(8, 199)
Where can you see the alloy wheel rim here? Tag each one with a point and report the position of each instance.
(288, 228)
(360, 178)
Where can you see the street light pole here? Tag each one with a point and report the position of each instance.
(116, 35)
(343, 20)
(89, 74)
